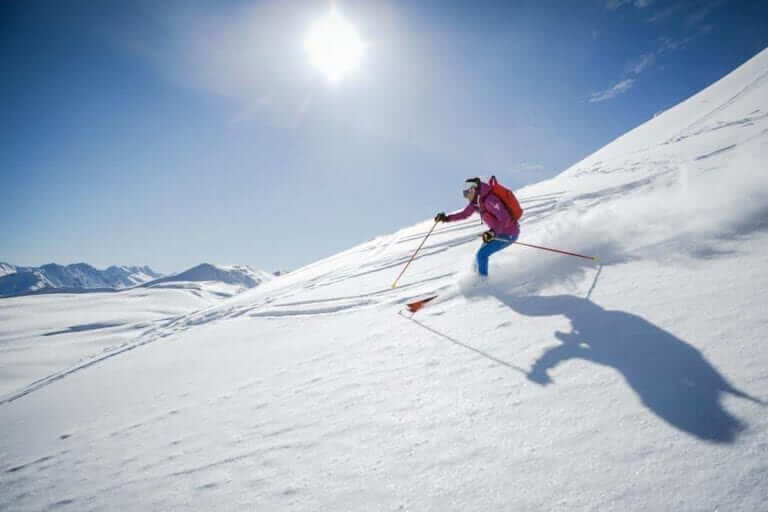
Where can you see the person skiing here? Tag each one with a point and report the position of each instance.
(504, 229)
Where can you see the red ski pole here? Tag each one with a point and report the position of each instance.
(593, 258)
(414, 254)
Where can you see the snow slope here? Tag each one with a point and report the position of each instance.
(41, 334)
(562, 385)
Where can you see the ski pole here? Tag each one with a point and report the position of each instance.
(593, 258)
(414, 254)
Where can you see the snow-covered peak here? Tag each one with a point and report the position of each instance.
(128, 276)
(240, 275)
(6, 268)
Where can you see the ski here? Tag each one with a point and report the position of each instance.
(413, 307)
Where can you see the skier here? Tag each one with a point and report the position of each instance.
(504, 229)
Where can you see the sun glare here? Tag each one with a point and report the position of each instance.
(334, 46)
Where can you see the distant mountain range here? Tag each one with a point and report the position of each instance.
(81, 277)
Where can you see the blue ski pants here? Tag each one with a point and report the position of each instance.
(485, 251)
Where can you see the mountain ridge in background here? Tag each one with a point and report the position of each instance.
(19, 280)
(83, 278)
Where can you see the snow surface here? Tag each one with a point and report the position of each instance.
(637, 384)
(42, 334)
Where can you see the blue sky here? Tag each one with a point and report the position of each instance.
(171, 133)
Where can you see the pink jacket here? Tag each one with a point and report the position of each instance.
(492, 210)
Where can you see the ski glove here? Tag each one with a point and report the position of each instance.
(489, 235)
(441, 217)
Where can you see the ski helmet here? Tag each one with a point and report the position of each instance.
(469, 185)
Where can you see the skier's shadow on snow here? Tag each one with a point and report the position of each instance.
(671, 377)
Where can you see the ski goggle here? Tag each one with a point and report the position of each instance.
(469, 190)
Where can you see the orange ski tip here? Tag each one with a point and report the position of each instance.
(415, 306)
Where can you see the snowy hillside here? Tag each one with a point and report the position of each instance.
(638, 384)
(79, 276)
(41, 334)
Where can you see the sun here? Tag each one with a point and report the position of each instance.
(334, 47)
